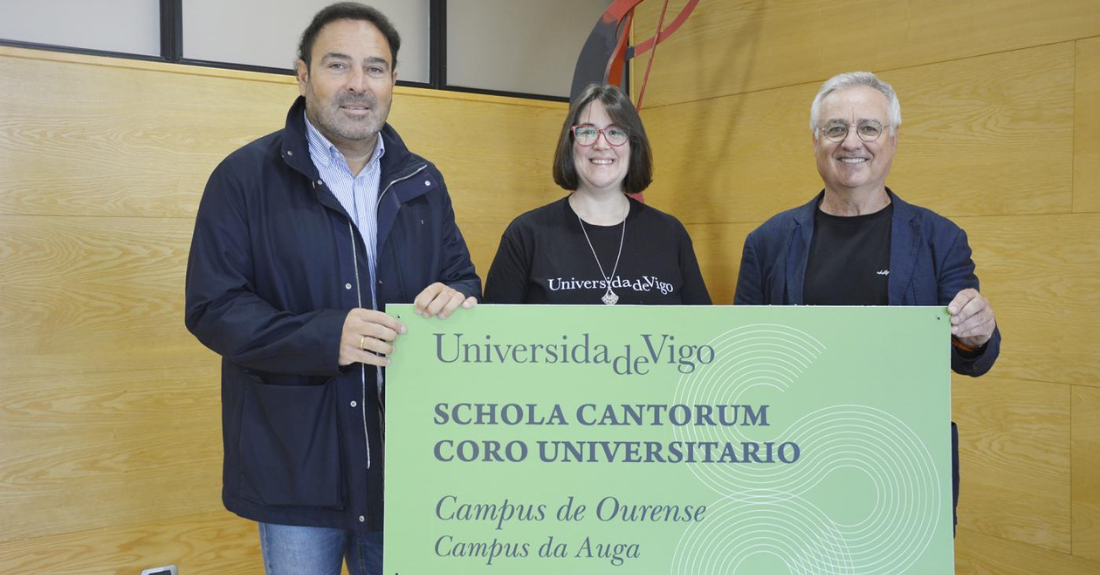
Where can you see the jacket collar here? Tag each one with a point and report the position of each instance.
(397, 163)
(905, 239)
(294, 147)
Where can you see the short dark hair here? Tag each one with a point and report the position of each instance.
(639, 173)
(348, 11)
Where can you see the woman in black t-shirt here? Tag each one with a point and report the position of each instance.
(597, 245)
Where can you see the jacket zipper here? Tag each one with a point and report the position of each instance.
(374, 305)
(362, 367)
(377, 204)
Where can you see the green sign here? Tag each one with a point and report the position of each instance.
(680, 440)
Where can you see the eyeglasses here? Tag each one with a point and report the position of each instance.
(867, 130)
(587, 135)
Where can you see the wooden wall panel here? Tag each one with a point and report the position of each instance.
(1014, 459)
(738, 46)
(90, 450)
(1086, 142)
(990, 135)
(985, 136)
(106, 291)
(216, 543)
(733, 159)
(980, 554)
(86, 139)
(1086, 472)
(718, 248)
(1041, 275)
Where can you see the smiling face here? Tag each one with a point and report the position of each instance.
(852, 165)
(600, 167)
(348, 86)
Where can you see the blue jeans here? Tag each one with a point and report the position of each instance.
(293, 550)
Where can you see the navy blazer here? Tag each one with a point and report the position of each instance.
(929, 264)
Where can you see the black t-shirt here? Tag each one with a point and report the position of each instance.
(849, 262)
(544, 258)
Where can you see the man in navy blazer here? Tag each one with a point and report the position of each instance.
(858, 243)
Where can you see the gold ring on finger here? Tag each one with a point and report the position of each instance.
(363, 342)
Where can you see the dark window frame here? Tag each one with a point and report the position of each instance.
(171, 52)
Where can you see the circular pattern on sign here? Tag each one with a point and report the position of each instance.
(843, 437)
(762, 522)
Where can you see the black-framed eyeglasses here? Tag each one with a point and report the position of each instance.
(867, 130)
(586, 135)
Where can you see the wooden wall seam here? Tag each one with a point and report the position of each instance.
(1073, 136)
(1072, 395)
(754, 45)
(227, 73)
(817, 82)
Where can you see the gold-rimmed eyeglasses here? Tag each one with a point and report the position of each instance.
(867, 130)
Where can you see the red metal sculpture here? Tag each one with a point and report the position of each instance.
(605, 53)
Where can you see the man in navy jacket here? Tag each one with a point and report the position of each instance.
(302, 237)
(857, 243)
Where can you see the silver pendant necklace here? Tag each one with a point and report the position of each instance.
(609, 297)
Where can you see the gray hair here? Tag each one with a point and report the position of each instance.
(854, 80)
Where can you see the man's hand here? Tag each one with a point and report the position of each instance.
(440, 300)
(367, 337)
(972, 321)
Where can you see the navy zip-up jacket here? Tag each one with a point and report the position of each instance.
(276, 264)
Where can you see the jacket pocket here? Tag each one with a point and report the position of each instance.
(290, 445)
